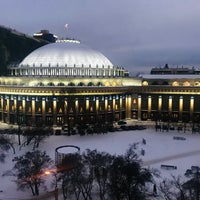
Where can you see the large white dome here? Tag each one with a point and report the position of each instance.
(66, 54)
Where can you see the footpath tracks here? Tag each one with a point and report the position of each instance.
(171, 157)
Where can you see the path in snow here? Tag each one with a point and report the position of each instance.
(173, 157)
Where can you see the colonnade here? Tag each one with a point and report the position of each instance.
(174, 107)
(67, 71)
(75, 109)
(59, 110)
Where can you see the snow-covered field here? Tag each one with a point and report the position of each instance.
(160, 148)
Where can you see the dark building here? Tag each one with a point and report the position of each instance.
(45, 35)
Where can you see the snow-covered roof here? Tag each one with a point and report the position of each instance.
(171, 76)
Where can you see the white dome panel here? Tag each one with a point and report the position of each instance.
(66, 54)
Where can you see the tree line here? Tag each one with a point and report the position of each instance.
(100, 175)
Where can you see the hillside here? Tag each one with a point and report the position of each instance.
(14, 46)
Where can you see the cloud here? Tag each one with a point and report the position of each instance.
(129, 32)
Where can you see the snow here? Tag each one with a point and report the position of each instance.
(67, 150)
(160, 148)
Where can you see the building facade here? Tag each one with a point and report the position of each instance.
(68, 83)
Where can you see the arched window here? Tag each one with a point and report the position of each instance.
(155, 83)
(186, 83)
(145, 83)
(61, 84)
(114, 83)
(90, 84)
(107, 83)
(50, 84)
(81, 84)
(71, 84)
(40, 84)
(197, 83)
(165, 83)
(175, 83)
(99, 84)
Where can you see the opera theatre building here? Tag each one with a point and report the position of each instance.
(68, 83)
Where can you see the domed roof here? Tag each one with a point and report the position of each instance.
(66, 54)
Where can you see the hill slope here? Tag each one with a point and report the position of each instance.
(14, 46)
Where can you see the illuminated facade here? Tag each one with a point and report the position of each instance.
(68, 83)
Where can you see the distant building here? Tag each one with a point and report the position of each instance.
(172, 70)
(45, 35)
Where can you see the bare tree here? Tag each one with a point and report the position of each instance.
(35, 136)
(30, 169)
(193, 184)
(99, 164)
(166, 190)
(178, 184)
(5, 145)
(127, 177)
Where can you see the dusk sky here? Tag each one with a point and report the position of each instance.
(131, 33)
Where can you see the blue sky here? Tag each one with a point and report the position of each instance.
(131, 33)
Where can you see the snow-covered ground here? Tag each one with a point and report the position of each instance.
(160, 148)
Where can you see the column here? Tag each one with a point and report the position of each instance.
(8, 110)
(120, 107)
(87, 106)
(128, 106)
(149, 106)
(159, 116)
(97, 105)
(97, 109)
(180, 108)
(65, 111)
(33, 110)
(139, 107)
(2, 108)
(43, 110)
(23, 110)
(24, 106)
(170, 104)
(106, 108)
(191, 108)
(159, 103)
(15, 110)
(76, 110)
(54, 111)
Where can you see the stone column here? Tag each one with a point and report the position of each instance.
(33, 110)
(180, 108)
(8, 110)
(43, 110)
(106, 108)
(191, 108)
(139, 107)
(120, 107)
(128, 106)
(54, 111)
(149, 106)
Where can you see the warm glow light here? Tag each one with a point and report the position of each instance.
(170, 103)
(145, 83)
(159, 103)
(186, 83)
(175, 83)
(149, 104)
(181, 104)
(47, 172)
